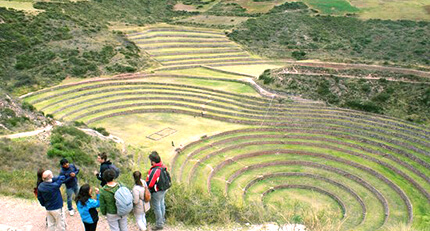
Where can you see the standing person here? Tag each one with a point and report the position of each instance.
(104, 165)
(107, 202)
(87, 207)
(139, 205)
(49, 196)
(157, 194)
(72, 187)
(39, 180)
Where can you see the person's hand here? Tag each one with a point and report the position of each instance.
(96, 173)
(97, 190)
(72, 174)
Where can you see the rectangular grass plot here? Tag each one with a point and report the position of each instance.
(161, 134)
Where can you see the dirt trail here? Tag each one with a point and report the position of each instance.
(28, 215)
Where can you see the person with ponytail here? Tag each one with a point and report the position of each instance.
(87, 207)
(139, 204)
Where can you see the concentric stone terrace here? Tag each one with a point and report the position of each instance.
(372, 171)
(175, 47)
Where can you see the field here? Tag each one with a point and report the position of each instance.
(395, 10)
(215, 20)
(26, 6)
(224, 135)
(367, 9)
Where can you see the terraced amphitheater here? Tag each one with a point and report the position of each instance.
(368, 171)
(178, 48)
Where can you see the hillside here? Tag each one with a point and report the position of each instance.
(290, 113)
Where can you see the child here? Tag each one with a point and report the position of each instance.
(87, 207)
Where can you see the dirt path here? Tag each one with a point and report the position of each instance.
(362, 66)
(28, 215)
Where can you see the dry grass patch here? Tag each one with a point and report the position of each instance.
(259, 7)
(215, 20)
(394, 9)
(27, 7)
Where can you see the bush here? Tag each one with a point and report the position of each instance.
(299, 55)
(266, 77)
(101, 130)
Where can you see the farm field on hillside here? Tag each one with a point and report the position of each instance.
(395, 10)
(176, 47)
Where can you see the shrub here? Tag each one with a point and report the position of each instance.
(299, 55)
(101, 130)
(266, 77)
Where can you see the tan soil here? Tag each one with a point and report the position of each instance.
(28, 215)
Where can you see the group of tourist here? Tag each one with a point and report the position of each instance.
(145, 194)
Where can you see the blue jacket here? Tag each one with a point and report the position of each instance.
(72, 181)
(84, 210)
(49, 195)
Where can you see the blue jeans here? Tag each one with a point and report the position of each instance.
(157, 203)
(69, 192)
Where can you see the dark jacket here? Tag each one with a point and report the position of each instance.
(49, 195)
(103, 167)
(72, 181)
(151, 181)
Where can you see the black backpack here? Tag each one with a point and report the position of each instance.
(116, 169)
(164, 181)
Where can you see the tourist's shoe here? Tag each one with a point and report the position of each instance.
(157, 228)
(72, 212)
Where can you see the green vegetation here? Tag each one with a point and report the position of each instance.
(72, 39)
(228, 9)
(288, 6)
(192, 206)
(245, 164)
(400, 97)
(336, 7)
(340, 169)
(17, 116)
(342, 39)
(198, 3)
(20, 159)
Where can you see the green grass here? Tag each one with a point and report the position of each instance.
(139, 126)
(221, 176)
(204, 72)
(336, 7)
(253, 70)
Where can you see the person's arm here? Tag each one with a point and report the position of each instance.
(94, 203)
(76, 170)
(60, 180)
(102, 204)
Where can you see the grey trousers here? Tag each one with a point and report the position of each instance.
(116, 223)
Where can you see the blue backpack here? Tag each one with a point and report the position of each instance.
(123, 201)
